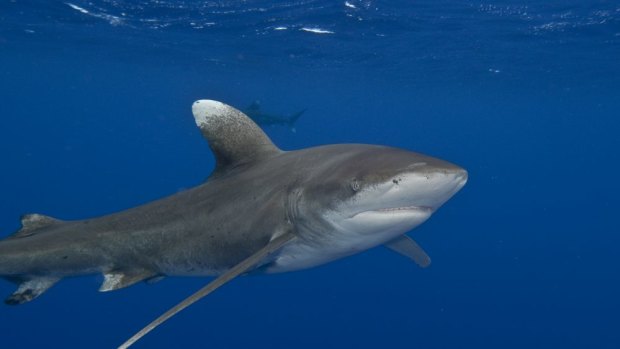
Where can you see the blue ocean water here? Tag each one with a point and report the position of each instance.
(96, 117)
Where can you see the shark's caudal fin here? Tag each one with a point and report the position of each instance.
(30, 287)
(233, 137)
(293, 119)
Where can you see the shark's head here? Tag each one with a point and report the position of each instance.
(372, 194)
(340, 199)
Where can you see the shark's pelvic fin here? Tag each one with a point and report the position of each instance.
(407, 247)
(30, 289)
(233, 137)
(233, 272)
(117, 279)
(33, 222)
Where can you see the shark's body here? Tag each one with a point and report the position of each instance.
(255, 113)
(262, 210)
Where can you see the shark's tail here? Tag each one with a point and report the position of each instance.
(28, 286)
(293, 119)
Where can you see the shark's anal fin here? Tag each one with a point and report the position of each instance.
(30, 289)
(407, 247)
(33, 222)
(233, 272)
(118, 279)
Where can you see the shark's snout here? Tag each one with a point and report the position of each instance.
(460, 177)
(434, 185)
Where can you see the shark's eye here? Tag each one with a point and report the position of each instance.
(355, 185)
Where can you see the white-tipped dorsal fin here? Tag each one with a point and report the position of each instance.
(233, 137)
(33, 222)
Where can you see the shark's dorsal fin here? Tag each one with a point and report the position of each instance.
(233, 137)
(33, 222)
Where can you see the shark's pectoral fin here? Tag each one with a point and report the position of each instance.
(233, 272)
(30, 289)
(407, 247)
(117, 279)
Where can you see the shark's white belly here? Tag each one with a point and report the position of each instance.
(301, 254)
(350, 236)
(298, 256)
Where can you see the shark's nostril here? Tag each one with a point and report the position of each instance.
(462, 175)
(461, 178)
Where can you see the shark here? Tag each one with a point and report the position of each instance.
(262, 210)
(257, 115)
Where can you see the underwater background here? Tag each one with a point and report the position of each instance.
(95, 111)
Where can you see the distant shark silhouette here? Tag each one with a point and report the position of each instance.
(263, 210)
(255, 113)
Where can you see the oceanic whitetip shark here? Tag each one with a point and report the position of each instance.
(262, 210)
(258, 116)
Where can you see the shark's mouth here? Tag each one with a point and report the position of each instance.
(384, 223)
(403, 208)
(396, 211)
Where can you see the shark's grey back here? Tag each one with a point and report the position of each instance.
(191, 233)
